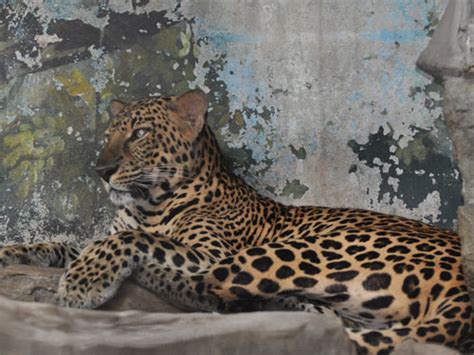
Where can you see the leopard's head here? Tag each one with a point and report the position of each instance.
(150, 145)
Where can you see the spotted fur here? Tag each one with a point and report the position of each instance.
(190, 230)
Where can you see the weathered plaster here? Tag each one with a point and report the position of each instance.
(315, 102)
(329, 83)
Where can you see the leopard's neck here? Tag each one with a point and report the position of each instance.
(213, 187)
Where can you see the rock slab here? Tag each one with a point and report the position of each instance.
(43, 329)
(141, 323)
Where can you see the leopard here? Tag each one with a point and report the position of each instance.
(197, 235)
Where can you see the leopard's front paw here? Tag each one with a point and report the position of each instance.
(89, 284)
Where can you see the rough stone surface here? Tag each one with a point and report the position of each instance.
(39, 284)
(466, 231)
(448, 53)
(36, 329)
(459, 116)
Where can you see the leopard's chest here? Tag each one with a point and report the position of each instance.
(132, 219)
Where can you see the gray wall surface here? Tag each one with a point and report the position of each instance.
(314, 102)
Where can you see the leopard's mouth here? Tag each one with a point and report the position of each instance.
(120, 197)
(119, 191)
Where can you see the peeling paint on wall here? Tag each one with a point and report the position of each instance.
(308, 109)
(413, 174)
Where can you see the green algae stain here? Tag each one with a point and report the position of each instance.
(432, 22)
(300, 153)
(237, 122)
(41, 153)
(295, 188)
(431, 94)
(238, 157)
(270, 189)
(78, 85)
(185, 38)
(416, 151)
(29, 151)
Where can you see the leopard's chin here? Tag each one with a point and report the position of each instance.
(120, 198)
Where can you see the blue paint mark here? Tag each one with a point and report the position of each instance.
(286, 161)
(256, 137)
(406, 19)
(313, 145)
(357, 96)
(417, 7)
(243, 88)
(392, 36)
(386, 84)
(401, 73)
(398, 80)
(386, 53)
(222, 40)
(404, 6)
(238, 71)
(239, 76)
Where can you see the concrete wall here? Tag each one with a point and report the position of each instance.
(314, 102)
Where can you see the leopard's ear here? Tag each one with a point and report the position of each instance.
(116, 106)
(191, 108)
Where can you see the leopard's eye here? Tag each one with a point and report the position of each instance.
(140, 133)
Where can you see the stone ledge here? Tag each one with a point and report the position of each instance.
(131, 328)
(43, 329)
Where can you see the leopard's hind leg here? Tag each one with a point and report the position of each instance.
(448, 323)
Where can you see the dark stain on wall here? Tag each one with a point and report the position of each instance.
(422, 169)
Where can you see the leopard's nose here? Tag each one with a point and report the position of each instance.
(106, 172)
